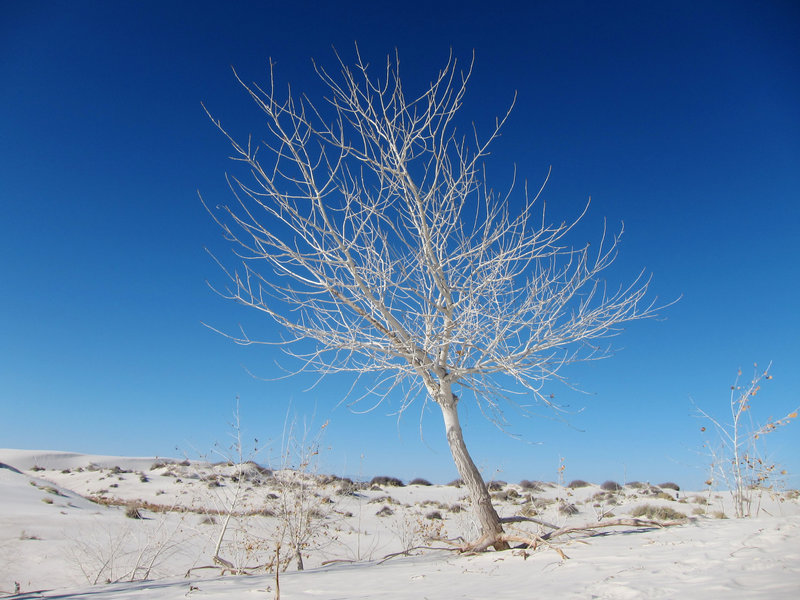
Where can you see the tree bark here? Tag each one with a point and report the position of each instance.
(488, 519)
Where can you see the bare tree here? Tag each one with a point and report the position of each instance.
(365, 227)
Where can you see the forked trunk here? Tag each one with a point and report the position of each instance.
(487, 516)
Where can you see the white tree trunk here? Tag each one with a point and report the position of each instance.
(488, 519)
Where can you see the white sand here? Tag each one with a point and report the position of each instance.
(53, 538)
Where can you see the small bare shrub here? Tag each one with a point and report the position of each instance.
(456, 483)
(385, 512)
(496, 486)
(670, 486)
(132, 512)
(610, 486)
(737, 460)
(578, 483)
(420, 481)
(388, 481)
(434, 515)
(530, 486)
(567, 509)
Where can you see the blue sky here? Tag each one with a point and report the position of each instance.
(679, 119)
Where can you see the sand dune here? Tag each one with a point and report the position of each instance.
(53, 537)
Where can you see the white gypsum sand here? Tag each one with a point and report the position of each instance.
(53, 538)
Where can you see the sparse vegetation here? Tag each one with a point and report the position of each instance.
(657, 513)
(578, 483)
(567, 509)
(132, 512)
(737, 459)
(387, 481)
(610, 486)
(420, 481)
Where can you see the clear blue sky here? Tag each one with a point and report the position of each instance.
(679, 118)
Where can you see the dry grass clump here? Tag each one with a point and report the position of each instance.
(664, 496)
(132, 512)
(610, 486)
(382, 499)
(578, 483)
(456, 483)
(434, 515)
(385, 512)
(636, 485)
(670, 486)
(657, 513)
(496, 486)
(567, 509)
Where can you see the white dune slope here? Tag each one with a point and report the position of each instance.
(53, 538)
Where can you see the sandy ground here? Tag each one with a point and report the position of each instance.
(63, 528)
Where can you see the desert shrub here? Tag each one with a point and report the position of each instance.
(47, 500)
(456, 508)
(456, 483)
(117, 470)
(384, 480)
(697, 510)
(567, 509)
(500, 496)
(658, 513)
(635, 485)
(132, 512)
(719, 515)
(664, 496)
(610, 486)
(37, 468)
(385, 512)
(530, 486)
(578, 483)
(528, 510)
(65, 471)
(143, 478)
(699, 499)
(420, 481)
(347, 489)
(434, 515)
(496, 486)
(670, 486)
